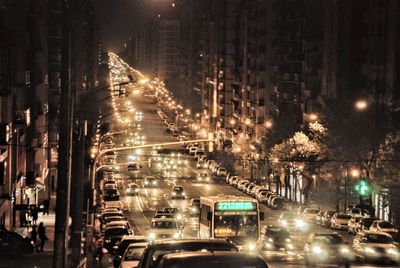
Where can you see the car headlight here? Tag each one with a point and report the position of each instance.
(183, 193)
(251, 246)
(152, 236)
(392, 251)
(154, 183)
(270, 240)
(179, 217)
(316, 250)
(369, 250)
(136, 190)
(289, 240)
(193, 209)
(208, 179)
(284, 222)
(290, 246)
(345, 250)
(173, 193)
(176, 235)
(146, 183)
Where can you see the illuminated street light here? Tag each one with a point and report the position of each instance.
(355, 173)
(232, 121)
(313, 117)
(361, 105)
(268, 124)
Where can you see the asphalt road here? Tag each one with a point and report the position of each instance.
(140, 209)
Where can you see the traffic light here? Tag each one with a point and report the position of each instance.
(363, 188)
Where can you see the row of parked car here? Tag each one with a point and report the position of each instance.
(261, 193)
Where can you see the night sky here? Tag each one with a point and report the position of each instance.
(119, 19)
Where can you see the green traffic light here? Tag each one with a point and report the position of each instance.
(362, 187)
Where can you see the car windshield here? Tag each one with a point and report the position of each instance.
(236, 225)
(343, 216)
(288, 216)
(116, 231)
(134, 253)
(163, 225)
(386, 224)
(277, 231)
(328, 239)
(368, 222)
(178, 189)
(170, 210)
(312, 211)
(379, 239)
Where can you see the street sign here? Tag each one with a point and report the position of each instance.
(363, 188)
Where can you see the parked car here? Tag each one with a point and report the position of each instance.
(318, 218)
(384, 226)
(262, 197)
(278, 203)
(154, 252)
(270, 198)
(326, 218)
(113, 235)
(365, 223)
(120, 247)
(132, 255)
(376, 247)
(221, 172)
(111, 194)
(249, 188)
(340, 221)
(352, 225)
(310, 214)
(357, 212)
(13, 244)
(233, 180)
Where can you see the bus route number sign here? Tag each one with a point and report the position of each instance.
(235, 206)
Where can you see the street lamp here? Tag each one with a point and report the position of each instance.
(361, 105)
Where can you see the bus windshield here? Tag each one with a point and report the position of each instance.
(236, 226)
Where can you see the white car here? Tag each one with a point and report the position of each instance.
(222, 172)
(340, 221)
(383, 226)
(132, 255)
(310, 214)
(357, 212)
(164, 228)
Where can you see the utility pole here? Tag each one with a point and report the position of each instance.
(60, 256)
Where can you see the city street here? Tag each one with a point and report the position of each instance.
(140, 209)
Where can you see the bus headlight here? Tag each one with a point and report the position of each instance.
(176, 235)
(152, 236)
(284, 222)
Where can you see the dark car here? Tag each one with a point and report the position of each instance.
(177, 192)
(120, 247)
(278, 203)
(154, 252)
(194, 207)
(327, 248)
(275, 238)
(150, 181)
(211, 260)
(111, 194)
(113, 235)
(13, 244)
